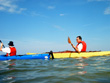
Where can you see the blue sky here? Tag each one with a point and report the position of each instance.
(44, 25)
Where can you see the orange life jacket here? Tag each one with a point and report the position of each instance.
(84, 46)
(13, 51)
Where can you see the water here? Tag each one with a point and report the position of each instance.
(94, 69)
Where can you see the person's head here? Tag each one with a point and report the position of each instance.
(78, 39)
(11, 43)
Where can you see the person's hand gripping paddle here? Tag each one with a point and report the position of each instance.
(69, 41)
(1, 42)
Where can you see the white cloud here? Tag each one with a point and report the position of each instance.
(2, 8)
(62, 14)
(10, 6)
(58, 27)
(38, 14)
(51, 7)
(34, 14)
(107, 11)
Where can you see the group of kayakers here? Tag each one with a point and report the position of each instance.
(11, 50)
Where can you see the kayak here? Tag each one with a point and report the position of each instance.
(63, 54)
(71, 54)
(18, 57)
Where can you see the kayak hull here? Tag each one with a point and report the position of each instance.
(82, 54)
(18, 57)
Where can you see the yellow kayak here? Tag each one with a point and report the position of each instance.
(70, 54)
(31, 53)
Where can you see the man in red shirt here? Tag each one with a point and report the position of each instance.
(81, 46)
(10, 51)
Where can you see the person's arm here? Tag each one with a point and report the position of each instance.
(6, 50)
(75, 48)
(1, 47)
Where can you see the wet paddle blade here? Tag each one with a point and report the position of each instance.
(69, 41)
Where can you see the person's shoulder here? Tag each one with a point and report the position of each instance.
(6, 48)
(80, 43)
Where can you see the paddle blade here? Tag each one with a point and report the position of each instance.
(69, 41)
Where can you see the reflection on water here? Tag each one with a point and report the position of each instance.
(5, 68)
(81, 65)
(9, 78)
(80, 70)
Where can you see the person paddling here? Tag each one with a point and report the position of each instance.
(81, 46)
(10, 51)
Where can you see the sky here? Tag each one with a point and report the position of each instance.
(43, 25)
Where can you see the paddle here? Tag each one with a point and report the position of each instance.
(1, 42)
(69, 41)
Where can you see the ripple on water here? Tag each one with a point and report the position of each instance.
(94, 69)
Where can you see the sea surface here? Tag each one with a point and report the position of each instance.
(69, 70)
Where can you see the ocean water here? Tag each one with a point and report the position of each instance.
(69, 70)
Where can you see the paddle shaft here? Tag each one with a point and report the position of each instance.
(1, 42)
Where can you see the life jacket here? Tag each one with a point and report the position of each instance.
(84, 46)
(12, 51)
